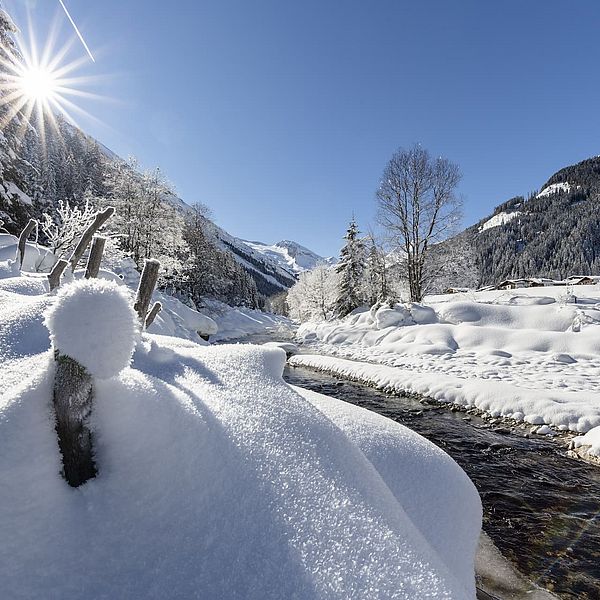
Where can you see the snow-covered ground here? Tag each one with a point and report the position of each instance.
(238, 322)
(215, 478)
(531, 355)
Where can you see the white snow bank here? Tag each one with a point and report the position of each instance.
(37, 258)
(554, 189)
(177, 319)
(500, 219)
(575, 411)
(217, 480)
(401, 456)
(174, 319)
(590, 442)
(235, 323)
(523, 354)
(93, 322)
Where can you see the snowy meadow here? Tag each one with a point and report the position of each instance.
(529, 355)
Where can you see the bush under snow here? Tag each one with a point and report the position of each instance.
(93, 322)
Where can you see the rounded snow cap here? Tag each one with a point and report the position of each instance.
(93, 322)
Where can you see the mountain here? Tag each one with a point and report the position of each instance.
(554, 233)
(291, 256)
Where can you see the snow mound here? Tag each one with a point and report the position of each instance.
(387, 445)
(93, 322)
(218, 480)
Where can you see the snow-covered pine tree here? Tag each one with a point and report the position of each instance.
(351, 270)
(376, 280)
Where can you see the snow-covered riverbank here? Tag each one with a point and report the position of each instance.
(529, 355)
(215, 478)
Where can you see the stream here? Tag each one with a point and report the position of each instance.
(541, 508)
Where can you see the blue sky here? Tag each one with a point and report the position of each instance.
(282, 115)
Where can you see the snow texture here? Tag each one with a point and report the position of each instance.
(291, 255)
(238, 322)
(217, 480)
(500, 219)
(525, 355)
(93, 322)
(555, 188)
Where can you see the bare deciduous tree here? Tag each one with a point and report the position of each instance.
(418, 207)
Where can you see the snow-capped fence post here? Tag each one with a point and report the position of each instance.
(93, 264)
(93, 329)
(72, 398)
(146, 288)
(86, 238)
(56, 273)
(23, 240)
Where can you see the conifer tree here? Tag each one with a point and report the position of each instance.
(351, 269)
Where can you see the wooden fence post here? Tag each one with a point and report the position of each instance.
(23, 240)
(152, 314)
(73, 393)
(56, 273)
(86, 238)
(146, 288)
(93, 264)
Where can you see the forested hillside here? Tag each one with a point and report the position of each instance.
(554, 233)
(55, 173)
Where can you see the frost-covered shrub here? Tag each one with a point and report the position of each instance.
(93, 322)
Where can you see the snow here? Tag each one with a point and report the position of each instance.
(238, 322)
(555, 188)
(217, 480)
(524, 355)
(93, 322)
(500, 219)
(291, 255)
(13, 190)
(388, 444)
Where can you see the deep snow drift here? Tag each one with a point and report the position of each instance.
(532, 355)
(216, 480)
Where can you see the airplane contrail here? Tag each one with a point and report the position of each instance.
(77, 31)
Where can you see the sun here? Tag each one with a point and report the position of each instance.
(38, 84)
(36, 87)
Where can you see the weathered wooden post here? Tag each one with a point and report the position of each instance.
(72, 398)
(23, 240)
(93, 328)
(95, 258)
(146, 288)
(56, 273)
(86, 238)
(152, 314)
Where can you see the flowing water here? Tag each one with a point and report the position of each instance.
(541, 508)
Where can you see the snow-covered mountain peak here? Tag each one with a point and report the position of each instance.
(290, 255)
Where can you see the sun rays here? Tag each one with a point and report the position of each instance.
(37, 86)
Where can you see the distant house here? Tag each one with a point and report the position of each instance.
(543, 282)
(513, 284)
(487, 288)
(456, 290)
(582, 280)
(527, 282)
